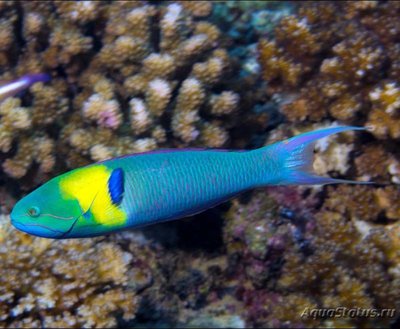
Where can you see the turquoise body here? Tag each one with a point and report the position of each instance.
(147, 188)
(172, 184)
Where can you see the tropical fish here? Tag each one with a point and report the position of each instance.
(14, 87)
(151, 187)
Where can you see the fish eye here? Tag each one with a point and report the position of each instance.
(34, 212)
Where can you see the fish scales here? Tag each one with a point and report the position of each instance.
(143, 189)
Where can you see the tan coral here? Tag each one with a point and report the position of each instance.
(387, 199)
(276, 66)
(105, 112)
(210, 71)
(64, 44)
(36, 294)
(171, 25)
(360, 202)
(159, 134)
(373, 163)
(210, 30)
(80, 140)
(364, 59)
(184, 125)
(139, 22)
(139, 116)
(6, 138)
(33, 23)
(157, 96)
(80, 12)
(213, 135)
(100, 152)
(48, 104)
(346, 107)
(135, 85)
(386, 97)
(18, 165)
(129, 48)
(224, 103)
(144, 144)
(158, 65)
(45, 153)
(191, 48)
(13, 116)
(191, 96)
(6, 35)
(296, 36)
(197, 8)
(383, 125)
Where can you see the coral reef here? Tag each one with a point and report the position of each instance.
(287, 260)
(338, 64)
(126, 77)
(162, 86)
(330, 69)
(71, 283)
(340, 70)
(131, 76)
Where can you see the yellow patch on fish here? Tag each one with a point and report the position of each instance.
(89, 185)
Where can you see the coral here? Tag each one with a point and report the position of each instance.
(13, 118)
(377, 164)
(387, 199)
(344, 261)
(73, 283)
(336, 63)
(25, 126)
(126, 77)
(105, 112)
(224, 103)
(336, 71)
(131, 76)
(197, 8)
(359, 202)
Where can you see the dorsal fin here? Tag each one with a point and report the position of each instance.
(116, 186)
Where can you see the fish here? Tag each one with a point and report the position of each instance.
(14, 87)
(157, 186)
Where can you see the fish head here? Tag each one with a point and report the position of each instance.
(46, 212)
(84, 202)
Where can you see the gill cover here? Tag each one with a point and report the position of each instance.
(99, 191)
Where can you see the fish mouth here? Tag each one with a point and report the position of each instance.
(38, 230)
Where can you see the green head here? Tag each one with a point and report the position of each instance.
(75, 204)
(46, 212)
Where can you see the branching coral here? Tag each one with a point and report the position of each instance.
(335, 61)
(340, 70)
(334, 69)
(23, 125)
(73, 283)
(130, 76)
(126, 77)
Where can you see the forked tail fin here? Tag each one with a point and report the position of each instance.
(296, 158)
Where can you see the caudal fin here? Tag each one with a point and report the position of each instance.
(296, 158)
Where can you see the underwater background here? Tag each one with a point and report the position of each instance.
(132, 76)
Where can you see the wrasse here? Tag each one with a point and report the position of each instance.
(14, 87)
(157, 186)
